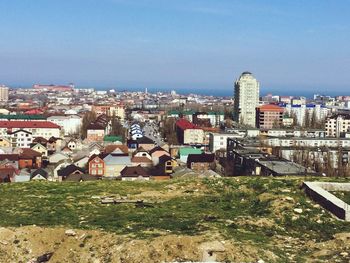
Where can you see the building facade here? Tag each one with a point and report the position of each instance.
(269, 116)
(4, 93)
(246, 99)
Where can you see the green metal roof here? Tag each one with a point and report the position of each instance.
(187, 151)
(111, 138)
(22, 117)
(173, 112)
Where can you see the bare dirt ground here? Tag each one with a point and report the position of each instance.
(27, 243)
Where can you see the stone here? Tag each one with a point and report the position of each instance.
(70, 232)
(209, 250)
(298, 210)
(344, 254)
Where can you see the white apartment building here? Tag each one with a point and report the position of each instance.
(308, 142)
(70, 124)
(4, 93)
(337, 125)
(218, 141)
(20, 138)
(43, 129)
(193, 136)
(246, 99)
(300, 111)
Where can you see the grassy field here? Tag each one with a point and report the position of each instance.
(254, 210)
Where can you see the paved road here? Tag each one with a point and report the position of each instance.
(152, 132)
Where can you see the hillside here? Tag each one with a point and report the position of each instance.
(251, 218)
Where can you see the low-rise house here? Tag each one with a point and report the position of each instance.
(41, 149)
(117, 149)
(97, 165)
(200, 162)
(140, 152)
(95, 132)
(72, 145)
(67, 151)
(142, 161)
(53, 144)
(184, 152)
(57, 157)
(134, 173)
(29, 158)
(12, 159)
(167, 163)
(115, 163)
(8, 174)
(145, 143)
(81, 162)
(5, 142)
(156, 152)
(113, 139)
(80, 178)
(39, 175)
(70, 170)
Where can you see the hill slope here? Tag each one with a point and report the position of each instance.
(252, 218)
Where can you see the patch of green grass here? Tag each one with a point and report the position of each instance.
(220, 201)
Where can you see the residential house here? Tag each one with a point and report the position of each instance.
(184, 152)
(156, 152)
(39, 175)
(29, 158)
(12, 159)
(134, 173)
(70, 170)
(120, 148)
(77, 177)
(167, 163)
(97, 165)
(53, 144)
(145, 143)
(142, 161)
(8, 174)
(5, 142)
(200, 162)
(95, 133)
(115, 163)
(81, 162)
(41, 149)
(57, 157)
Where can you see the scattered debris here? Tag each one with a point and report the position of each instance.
(298, 210)
(70, 232)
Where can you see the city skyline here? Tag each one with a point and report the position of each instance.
(199, 45)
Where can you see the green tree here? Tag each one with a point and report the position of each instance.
(88, 118)
(117, 127)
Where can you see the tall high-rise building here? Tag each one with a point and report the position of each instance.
(246, 99)
(4, 93)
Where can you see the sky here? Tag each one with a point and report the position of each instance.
(290, 46)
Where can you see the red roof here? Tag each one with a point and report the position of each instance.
(185, 124)
(28, 124)
(271, 107)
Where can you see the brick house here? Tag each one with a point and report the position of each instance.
(201, 162)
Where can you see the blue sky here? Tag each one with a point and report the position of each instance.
(183, 44)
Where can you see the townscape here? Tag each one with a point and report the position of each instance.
(63, 133)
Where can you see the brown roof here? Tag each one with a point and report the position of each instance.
(141, 159)
(134, 171)
(10, 157)
(113, 147)
(27, 153)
